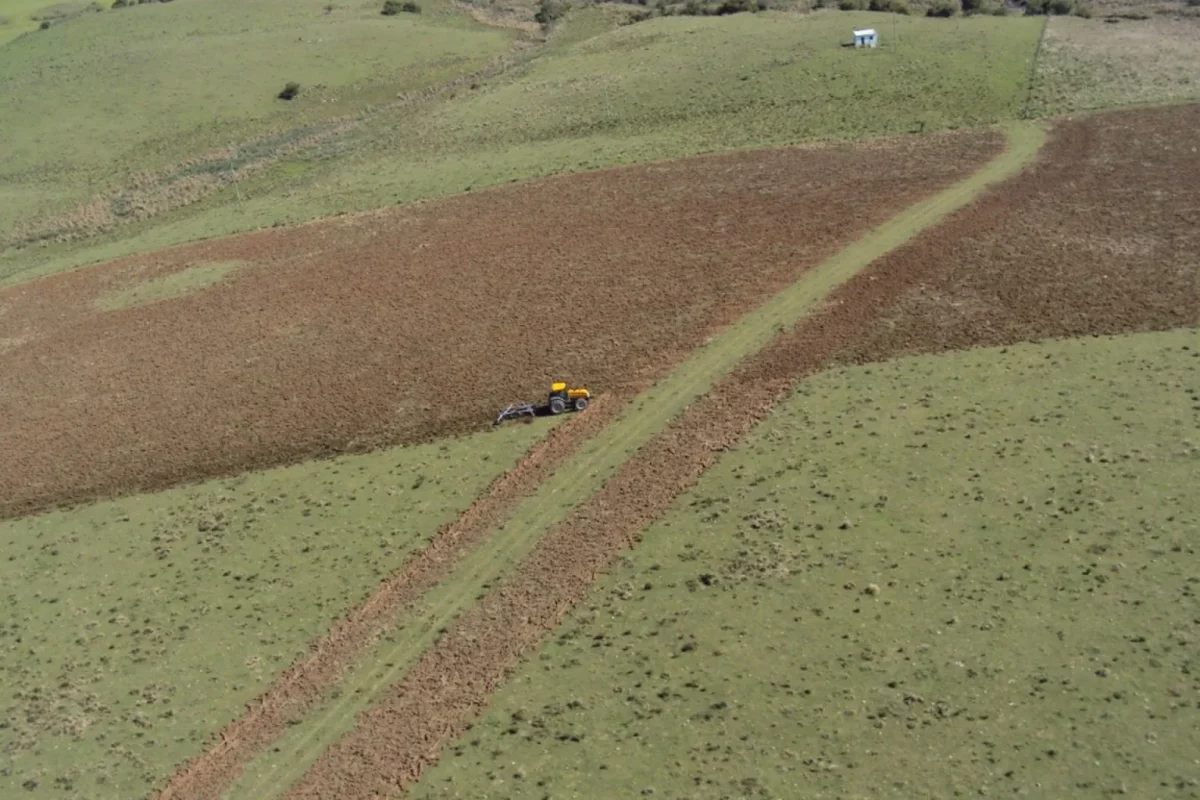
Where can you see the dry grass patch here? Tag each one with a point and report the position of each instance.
(165, 287)
(1089, 64)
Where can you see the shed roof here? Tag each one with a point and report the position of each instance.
(865, 32)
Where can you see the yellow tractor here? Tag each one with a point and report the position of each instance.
(561, 397)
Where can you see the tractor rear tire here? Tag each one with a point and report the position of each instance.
(580, 403)
(557, 405)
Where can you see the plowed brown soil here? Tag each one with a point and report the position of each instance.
(1116, 261)
(414, 323)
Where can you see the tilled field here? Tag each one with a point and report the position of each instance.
(415, 323)
(1068, 248)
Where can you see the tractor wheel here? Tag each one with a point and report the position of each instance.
(557, 405)
(580, 403)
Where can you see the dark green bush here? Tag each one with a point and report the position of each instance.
(943, 8)
(549, 11)
(289, 91)
(736, 7)
(852, 5)
(120, 3)
(409, 7)
(391, 8)
(1057, 7)
(889, 6)
(45, 25)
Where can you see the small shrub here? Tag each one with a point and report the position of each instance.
(409, 7)
(736, 7)
(120, 4)
(889, 6)
(852, 5)
(549, 11)
(1083, 11)
(1056, 7)
(45, 26)
(391, 8)
(943, 8)
(289, 91)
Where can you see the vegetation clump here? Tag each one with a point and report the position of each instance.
(1049, 7)
(290, 91)
(393, 7)
(943, 8)
(549, 11)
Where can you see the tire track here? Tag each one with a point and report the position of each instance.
(303, 685)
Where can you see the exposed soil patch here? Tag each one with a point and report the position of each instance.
(1101, 236)
(1025, 253)
(410, 324)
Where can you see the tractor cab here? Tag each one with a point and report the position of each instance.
(561, 398)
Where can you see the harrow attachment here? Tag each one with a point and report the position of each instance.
(516, 410)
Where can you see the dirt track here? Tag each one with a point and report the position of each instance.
(1067, 248)
(307, 682)
(409, 324)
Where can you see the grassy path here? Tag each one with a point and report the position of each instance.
(271, 775)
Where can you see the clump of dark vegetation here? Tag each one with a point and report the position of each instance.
(943, 8)
(1051, 7)
(289, 91)
(886, 6)
(393, 7)
(995, 8)
(698, 8)
(549, 11)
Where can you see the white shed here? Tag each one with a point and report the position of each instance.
(867, 37)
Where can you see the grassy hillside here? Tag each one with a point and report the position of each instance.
(665, 88)
(101, 96)
(958, 575)
(135, 629)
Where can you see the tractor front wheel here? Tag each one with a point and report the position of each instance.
(557, 405)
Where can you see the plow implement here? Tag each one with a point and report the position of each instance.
(515, 410)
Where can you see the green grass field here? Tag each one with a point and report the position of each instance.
(105, 95)
(660, 89)
(135, 629)
(18, 17)
(942, 576)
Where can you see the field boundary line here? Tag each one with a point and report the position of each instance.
(432, 703)
(1033, 73)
